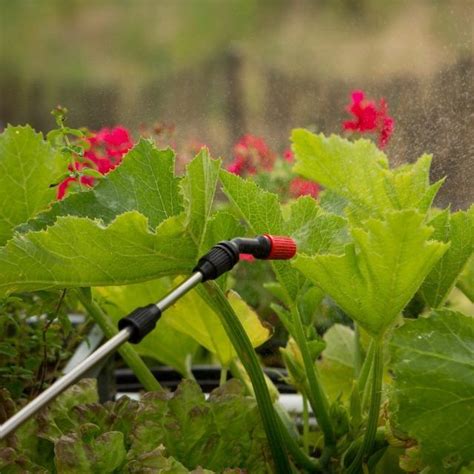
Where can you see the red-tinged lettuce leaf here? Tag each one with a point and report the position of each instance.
(89, 451)
(225, 431)
(12, 462)
(158, 461)
(179, 430)
(432, 399)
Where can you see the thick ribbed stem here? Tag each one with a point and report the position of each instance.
(316, 395)
(213, 295)
(374, 409)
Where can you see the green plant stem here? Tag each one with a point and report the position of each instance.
(305, 424)
(213, 295)
(301, 458)
(316, 395)
(223, 377)
(357, 351)
(363, 382)
(128, 353)
(374, 409)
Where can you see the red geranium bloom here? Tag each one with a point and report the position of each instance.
(251, 155)
(288, 156)
(369, 118)
(303, 187)
(106, 150)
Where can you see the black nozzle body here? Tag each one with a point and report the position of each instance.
(223, 256)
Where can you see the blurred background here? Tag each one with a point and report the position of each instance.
(213, 70)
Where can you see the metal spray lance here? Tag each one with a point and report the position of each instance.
(134, 327)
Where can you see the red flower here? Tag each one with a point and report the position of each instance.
(106, 150)
(303, 187)
(368, 118)
(85, 180)
(288, 156)
(251, 155)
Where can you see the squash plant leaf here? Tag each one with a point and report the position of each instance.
(457, 228)
(77, 251)
(144, 182)
(193, 317)
(380, 271)
(131, 227)
(432, 360)
(190, 320)
(199, 187)
(336, 364)
(313, 229)
(28, 167)
(160, 344)
(466, 279)
(359, 172)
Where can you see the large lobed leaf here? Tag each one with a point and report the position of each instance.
(28, 168)
(77, 251)
(458, 229)
(359, 172)
(189, 321)
(432, 399)
(380, 271)
(131, 227)
(145, 182)
(336, 364)
(313, 229)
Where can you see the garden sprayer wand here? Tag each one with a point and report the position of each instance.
(134, 327)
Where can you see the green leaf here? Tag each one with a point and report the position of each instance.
(144, 182)
(432, 360)
(157, 460)
(313, 229)
(161, 343)
(175, 432)
(92, 172)
(28, 166)
(336, 365)
(78, 251)
(87, 453)
(199, 187)
(130, 228)
(466, 280)
(192, 316)
(359, 172)
(458, 229)
(380, 271)
(189, 321)
(224, 431)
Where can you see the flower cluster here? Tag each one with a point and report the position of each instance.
(252, 155)
(104, 151)
(369, 118)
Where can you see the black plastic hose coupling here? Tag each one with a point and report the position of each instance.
(223, 256)
(141, 321)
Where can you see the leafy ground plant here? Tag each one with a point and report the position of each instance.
(381, 387)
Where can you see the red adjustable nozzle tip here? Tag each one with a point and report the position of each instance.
(283, 248)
